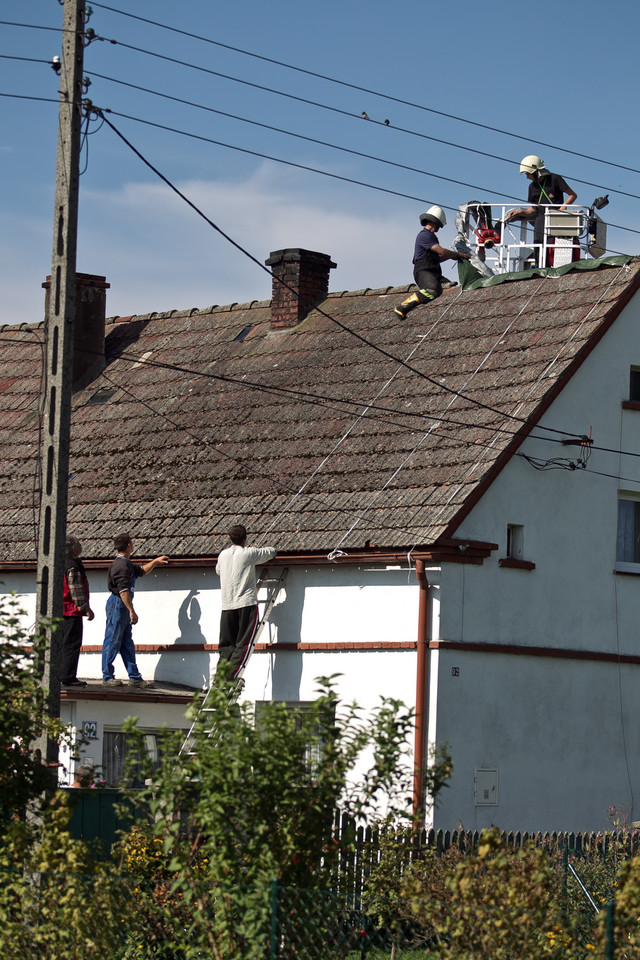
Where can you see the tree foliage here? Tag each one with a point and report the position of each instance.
(256, 801)
(23, 776)
(499, 903)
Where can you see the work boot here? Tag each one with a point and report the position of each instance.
(403, 309)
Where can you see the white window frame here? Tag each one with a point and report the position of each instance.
(622, 565)
(151, 735)
(515, 541)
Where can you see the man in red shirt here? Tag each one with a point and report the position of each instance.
(75, 606)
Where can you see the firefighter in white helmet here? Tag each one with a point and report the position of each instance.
(545, 189)
(427, 257)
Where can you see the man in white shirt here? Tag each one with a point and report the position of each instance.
(239, 619)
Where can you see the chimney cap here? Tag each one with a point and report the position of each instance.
(298, 253)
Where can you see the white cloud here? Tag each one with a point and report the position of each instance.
(166, 256)
(158, 254)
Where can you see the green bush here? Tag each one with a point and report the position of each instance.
(256, 803)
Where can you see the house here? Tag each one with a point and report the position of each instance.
(456, 499)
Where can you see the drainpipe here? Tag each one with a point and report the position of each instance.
(422, 677)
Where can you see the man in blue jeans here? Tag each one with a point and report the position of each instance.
(121, 614)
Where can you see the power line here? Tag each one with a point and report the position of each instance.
(361, 89)
(328, 316)
(24, 96)
(140, 360)
(302, 166)
(332, 403)
(358, 153)
(347, 113)
(325, 402)
(7, 56)
(336, 109)
(30, 26)
(338, 403)
(318, 141)
(298, 136)
(323, 106)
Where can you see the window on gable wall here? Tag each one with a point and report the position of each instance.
(634, 384)
(628, 540)
(515, 541)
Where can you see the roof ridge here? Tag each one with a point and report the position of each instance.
(190, 311)
(23, 325)
(260, 304)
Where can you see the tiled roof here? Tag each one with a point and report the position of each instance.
(189, 429)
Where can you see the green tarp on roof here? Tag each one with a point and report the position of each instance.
(470, 279)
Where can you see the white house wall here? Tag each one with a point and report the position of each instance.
(103, 715)
(562, 732)
(318, 605)
(331, 606)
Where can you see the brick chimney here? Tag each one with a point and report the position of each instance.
(89, 326)
(306, 275)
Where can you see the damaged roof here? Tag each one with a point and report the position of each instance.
(350, 429)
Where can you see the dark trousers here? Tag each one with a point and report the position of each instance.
(428, 276)
(238, 629)
(71, 643)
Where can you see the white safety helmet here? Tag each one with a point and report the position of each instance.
(434, 215)
(531, 164)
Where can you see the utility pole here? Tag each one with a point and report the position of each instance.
(59, 324)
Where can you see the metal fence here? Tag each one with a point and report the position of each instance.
(114, 918)
(360, 848)
(131, 921)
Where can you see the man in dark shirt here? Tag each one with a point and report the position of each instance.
(427, 257)
(121, 614)
(545, 189)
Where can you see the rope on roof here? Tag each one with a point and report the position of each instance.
(431, 429)
(355, 422)
(544, 373)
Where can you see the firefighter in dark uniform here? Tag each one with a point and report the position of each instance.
(427, 257)
(546, 189)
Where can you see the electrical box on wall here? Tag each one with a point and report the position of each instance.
(486, 788)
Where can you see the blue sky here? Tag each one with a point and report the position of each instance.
(568, 80)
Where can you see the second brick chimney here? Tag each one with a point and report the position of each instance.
(89, 326)
(300, 281)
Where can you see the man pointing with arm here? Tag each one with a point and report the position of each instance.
(121, 614)
(239, 619)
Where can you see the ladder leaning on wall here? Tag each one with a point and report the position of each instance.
(274, 585)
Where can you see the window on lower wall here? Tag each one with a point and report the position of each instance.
(317, 739)
(628, 539)
(115, 748)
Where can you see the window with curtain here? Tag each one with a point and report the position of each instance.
(115, 747)
(628, 541)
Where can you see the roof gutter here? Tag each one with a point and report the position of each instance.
(422, 685)
(450, 550)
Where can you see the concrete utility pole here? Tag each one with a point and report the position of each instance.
(59, 358)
